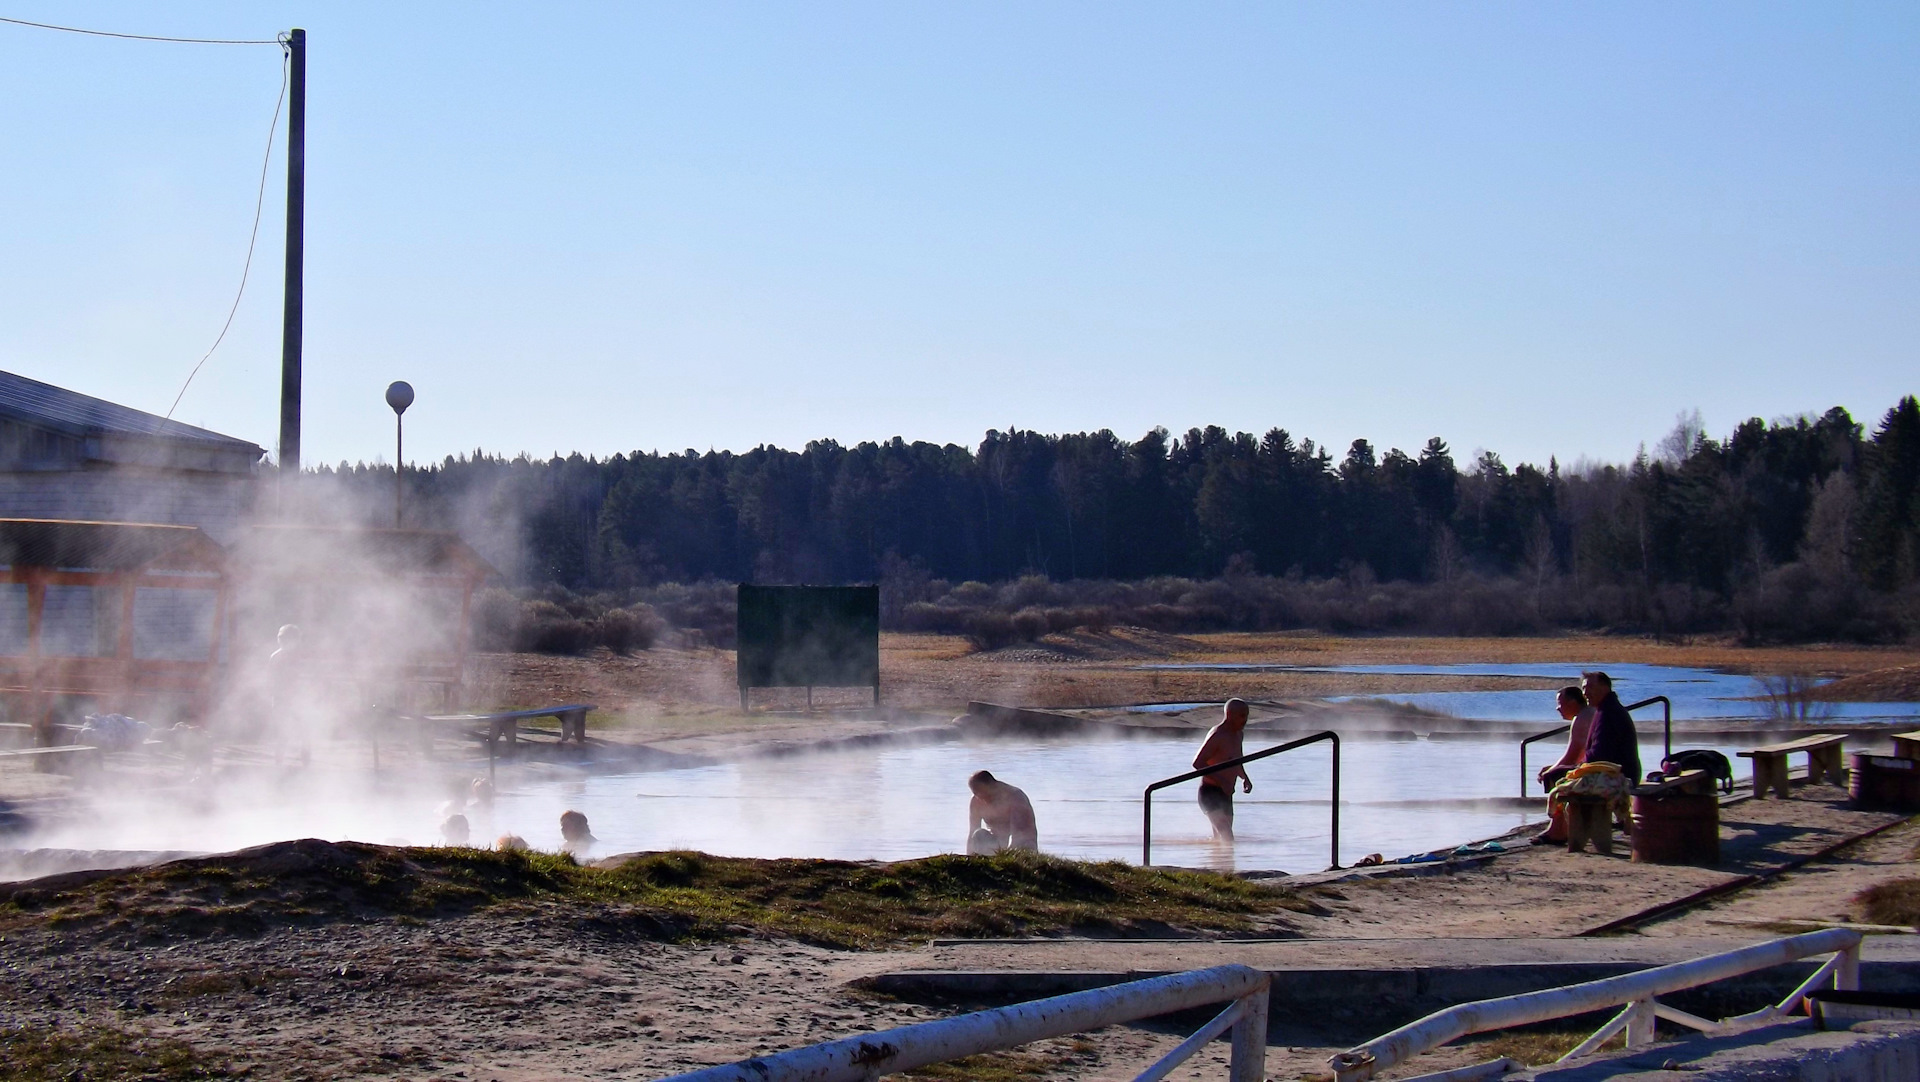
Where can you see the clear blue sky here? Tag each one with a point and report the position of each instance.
(1535, 228)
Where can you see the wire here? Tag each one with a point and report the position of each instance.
(259, 202)
(136, 37)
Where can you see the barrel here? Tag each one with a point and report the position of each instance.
(1676, 828)
(1885, 782)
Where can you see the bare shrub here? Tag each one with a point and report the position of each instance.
(547, 628)
(495, 619)
(1029, 624)
(989, 629)
(1790, 697)
(625, 630)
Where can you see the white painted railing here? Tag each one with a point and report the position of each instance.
(1633, 992)
(861, 1059)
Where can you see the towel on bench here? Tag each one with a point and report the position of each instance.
(1601, 781)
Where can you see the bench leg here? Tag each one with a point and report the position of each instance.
(1586, 822)
(1770, 772)
(1824, 764)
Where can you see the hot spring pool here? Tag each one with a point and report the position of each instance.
(1398, 797)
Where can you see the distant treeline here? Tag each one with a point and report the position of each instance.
(1807, 527)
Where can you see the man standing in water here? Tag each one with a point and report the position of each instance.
(1006, 813)
(1225, 742)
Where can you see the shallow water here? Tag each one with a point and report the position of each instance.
(1702, 694)
(1398, 798)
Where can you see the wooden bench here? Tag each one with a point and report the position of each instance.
(1907, 745)
(1770, 763)
(494, 728)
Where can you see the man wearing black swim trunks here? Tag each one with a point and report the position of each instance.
(1225, 742)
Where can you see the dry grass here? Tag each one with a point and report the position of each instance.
(939, 673)
(1533, 1049)
(667, 896)
(101, 1054)
(1896, 901)
(1038, 1061)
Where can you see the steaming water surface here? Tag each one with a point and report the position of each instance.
(1398, 797)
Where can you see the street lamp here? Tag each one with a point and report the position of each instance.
(399, 396)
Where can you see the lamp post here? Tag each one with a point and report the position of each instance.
(399, 396)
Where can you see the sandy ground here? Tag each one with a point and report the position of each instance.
(550, 992)
(532, 993)
(529, 994)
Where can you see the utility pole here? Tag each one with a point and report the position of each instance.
(290, 337)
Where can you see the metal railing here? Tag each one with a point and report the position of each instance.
(1667, 706)
(1146, 799)
(860, 1059)
(1634, 992)
(1523, 753)
(1665, 703)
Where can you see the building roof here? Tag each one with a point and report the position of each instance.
(114, 431)
(107, 546)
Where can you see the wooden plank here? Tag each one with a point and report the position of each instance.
(1805, 743)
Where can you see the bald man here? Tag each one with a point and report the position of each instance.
(998, 817)
(1225, 742)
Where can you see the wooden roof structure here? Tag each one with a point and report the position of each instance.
(107, 546)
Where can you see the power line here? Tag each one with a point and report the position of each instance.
(137, 37)
(259, 202)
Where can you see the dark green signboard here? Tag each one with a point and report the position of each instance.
(809, 636)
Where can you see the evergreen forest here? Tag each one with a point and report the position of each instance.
(1805, 527)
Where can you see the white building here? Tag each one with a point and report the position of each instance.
(66, 455)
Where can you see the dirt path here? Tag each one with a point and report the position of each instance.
(1820, 891)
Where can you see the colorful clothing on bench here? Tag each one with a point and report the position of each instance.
(1594, 781)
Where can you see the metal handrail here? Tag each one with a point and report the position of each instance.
(859, 1059)
(1146, 798)
(1668, 705)
(1633, 991)
(1523, 753)
(1665, 703)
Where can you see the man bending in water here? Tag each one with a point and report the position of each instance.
(1006, 813)
(1225, 742)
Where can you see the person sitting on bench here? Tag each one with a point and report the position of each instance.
(1572, 704)
(1612, 737)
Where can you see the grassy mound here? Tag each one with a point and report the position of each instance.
(677, 895)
